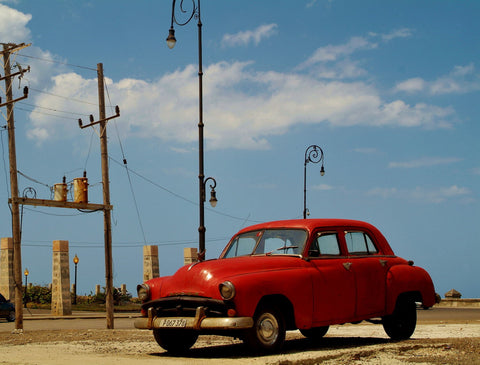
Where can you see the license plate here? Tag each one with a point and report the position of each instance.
(177, 323)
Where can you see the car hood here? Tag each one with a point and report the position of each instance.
(203, 278)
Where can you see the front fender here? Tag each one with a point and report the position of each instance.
(293, 284)
(409, 279)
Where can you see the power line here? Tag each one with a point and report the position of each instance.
(63, 97)
(57, 62)
(42, 243)
(243, 219)
(54, 110)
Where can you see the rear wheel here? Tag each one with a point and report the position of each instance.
(315, 333)
(401, 324)
(175, 341)
(268, 331)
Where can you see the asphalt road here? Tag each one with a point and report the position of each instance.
(34, 322)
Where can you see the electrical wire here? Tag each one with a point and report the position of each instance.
(36, 243)
(243, 219)
(52, 109)
(63, 97)
(127, 171)
(57, 62)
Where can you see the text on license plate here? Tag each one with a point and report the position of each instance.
(166, 322)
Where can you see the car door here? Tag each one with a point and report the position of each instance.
(370, 269)
(333, 283)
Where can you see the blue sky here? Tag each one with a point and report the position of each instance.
(388, 89)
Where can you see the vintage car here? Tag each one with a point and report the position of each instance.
(7, 309)
(286, 275)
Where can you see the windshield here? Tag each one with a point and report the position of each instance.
(268, 242)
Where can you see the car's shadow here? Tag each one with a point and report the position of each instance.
(292, 346)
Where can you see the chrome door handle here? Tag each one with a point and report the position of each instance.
(347, 265)
(383, 262)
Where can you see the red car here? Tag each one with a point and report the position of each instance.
(286, 275)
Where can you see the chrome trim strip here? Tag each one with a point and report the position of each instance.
(220, 323)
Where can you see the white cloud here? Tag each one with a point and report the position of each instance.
(243, 107)
(461, 79)
(411, 85)
(398, 33)
(424, 162)
(248, 36)
(332, 53)
(235, 117)
(439, 195)
(426, 195)
(322, 187)
(13, 25)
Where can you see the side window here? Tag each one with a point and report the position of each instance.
(359, 243)
(325, 244)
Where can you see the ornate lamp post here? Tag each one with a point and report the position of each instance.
(26, 284)
(75, 261)
(171, 41)
(313, 154)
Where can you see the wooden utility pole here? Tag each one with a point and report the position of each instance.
(15, 200)
(16, 235)
(106, 199)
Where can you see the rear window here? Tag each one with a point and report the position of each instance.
(360, 243)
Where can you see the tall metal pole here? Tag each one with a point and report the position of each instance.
(106, 200)
(17, 251)
(311, 155)
(201, 174)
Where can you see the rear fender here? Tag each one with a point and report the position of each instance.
(409, 279)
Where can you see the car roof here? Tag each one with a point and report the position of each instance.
(310, 224)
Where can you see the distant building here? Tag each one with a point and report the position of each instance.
(453, 294)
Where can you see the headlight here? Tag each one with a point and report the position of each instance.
(143, 292)
(227, 290)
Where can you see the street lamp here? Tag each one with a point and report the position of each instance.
(313, 154)
(26, 284)
(171, 41)
(75, 261)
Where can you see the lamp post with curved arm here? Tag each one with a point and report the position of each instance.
(313, 154)
(171, 41)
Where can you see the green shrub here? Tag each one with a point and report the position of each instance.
(38, 294)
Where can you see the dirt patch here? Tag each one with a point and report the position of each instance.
(362, 344)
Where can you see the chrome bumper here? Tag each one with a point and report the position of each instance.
(199, 322)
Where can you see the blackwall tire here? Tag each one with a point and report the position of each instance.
(315, 333)
(268, 331)
(401, 324)
(175, 341)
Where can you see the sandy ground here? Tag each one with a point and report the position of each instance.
(440, 343)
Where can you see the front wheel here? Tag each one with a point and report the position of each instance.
(268, 331)
(315, 333)
(175, 341)
(401, 324)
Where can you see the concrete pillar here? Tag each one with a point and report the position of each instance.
(97, 289)
(61, 298)
(151, 267)
(7, 287)
(123, 289)
(189, 255)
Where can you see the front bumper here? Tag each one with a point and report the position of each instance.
(199, 322)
